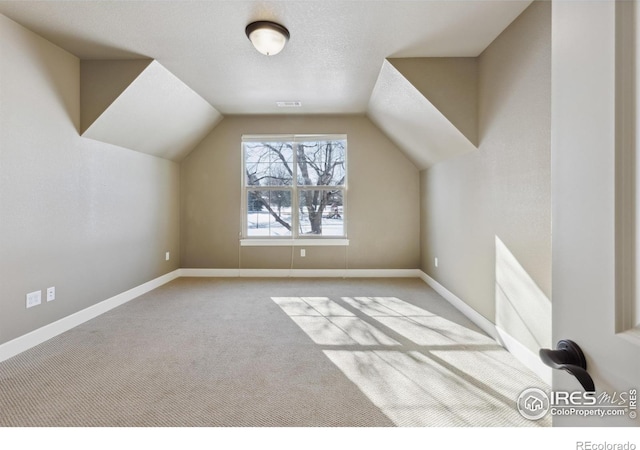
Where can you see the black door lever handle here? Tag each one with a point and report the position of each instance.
(568, 356)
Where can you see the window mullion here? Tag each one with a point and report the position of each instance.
(295, 210)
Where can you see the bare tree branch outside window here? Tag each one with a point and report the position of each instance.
(313, 171)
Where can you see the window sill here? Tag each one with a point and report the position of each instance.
(294, 242)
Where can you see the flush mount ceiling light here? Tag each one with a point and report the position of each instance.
(268, 38)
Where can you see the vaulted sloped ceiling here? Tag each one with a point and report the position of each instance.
(102, 82)
(427, 106)
(140, 105)
(406, 64)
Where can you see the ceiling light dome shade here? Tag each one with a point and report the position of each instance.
(268, 38)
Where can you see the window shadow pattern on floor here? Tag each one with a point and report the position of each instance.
(418, 368)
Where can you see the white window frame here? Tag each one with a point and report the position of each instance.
(296, 239)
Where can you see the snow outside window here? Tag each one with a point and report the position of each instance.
(294, 186)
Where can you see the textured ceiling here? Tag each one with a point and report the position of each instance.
(330, 64)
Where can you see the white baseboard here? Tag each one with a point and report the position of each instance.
(205, 273)
(33, 338)
(525, 356)
(482, 322)
(302, 273)
(519, 351)
(29, 340)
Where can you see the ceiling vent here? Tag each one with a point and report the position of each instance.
(289, 104)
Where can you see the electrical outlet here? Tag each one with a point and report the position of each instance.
(167, 256)
(435, 261)
(51, 293)
(303, 252)
(34, 299)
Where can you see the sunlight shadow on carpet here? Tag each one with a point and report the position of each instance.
(418, 368)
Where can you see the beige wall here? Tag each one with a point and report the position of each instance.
(102, 82)
(449, 84)
(487, 215)
(382, 198)
(91, 219)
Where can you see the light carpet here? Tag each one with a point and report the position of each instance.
(270, 352)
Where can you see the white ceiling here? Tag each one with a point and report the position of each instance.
(331, 63)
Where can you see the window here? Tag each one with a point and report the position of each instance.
(294, 186)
